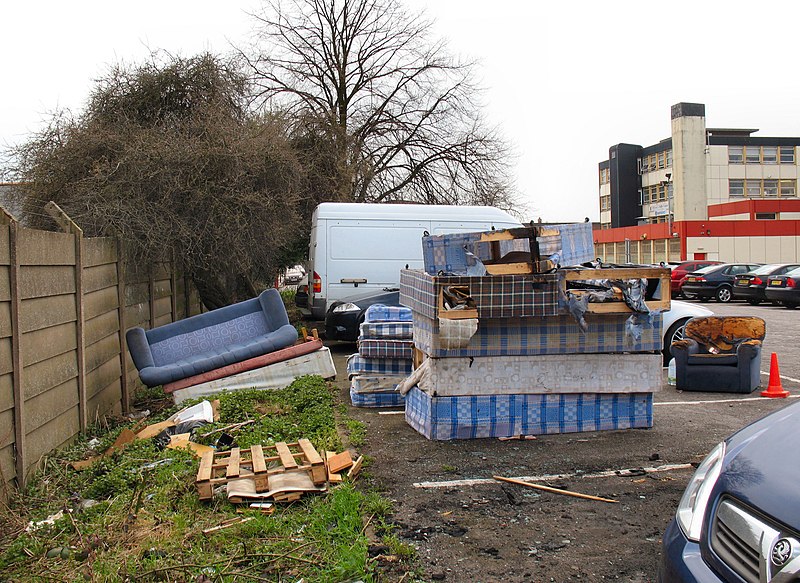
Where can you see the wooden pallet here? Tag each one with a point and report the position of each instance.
(662, 302)
(220, 467)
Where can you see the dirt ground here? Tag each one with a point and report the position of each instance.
(491, 531)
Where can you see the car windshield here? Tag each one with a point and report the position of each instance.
(766, 269)
(793, 273)
(708, 269)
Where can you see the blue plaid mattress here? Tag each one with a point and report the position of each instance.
(357, 364)
(375, 383)
(376, 399)
(386, 348)
(496, 296)
(537, 336)
(381, 313)
(471, 417)
(387, 330)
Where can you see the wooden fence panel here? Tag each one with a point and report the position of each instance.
(48, 343)
(65, 305)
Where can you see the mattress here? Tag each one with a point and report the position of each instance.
(386, 330)
(496, 296)
(376, 400)
(607, 333)
(375, 383)
(273, 376)
(471, 417)
(514, 375)
(357, 364)
(382, 313)
(568, 244)
(386, 348)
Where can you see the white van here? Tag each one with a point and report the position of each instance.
(358, 247)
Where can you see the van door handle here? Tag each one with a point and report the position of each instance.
(354, 281)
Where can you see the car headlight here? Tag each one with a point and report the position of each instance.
(693, 504)
(348, 307)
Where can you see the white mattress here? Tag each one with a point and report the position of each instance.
(273, 376)
(509, 375)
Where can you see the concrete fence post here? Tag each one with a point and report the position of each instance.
(69, 226)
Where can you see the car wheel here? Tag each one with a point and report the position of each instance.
(674, 333)
(724, 294)
(753, 302)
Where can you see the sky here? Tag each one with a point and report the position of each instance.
(562, 82)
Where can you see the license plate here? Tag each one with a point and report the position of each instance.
(744, 282)
(775, 282)
(691, 279)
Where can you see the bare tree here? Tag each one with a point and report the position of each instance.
(379, 105)
(168, 155)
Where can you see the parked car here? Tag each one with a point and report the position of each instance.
(345, 316)
(715, 281)
(682, 269)
(294, 275)
(784, 289)
(739, 517)
(751, 286)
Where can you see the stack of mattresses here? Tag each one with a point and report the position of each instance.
(523, 365)
(385, 352)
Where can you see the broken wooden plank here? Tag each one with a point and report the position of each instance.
(339, 462)
(554, 490)
(353, 471)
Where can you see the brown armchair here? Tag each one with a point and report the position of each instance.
(720, 354)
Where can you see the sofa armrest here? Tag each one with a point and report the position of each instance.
(139, 348)
(748, 350)
(273, 308)
(682, 349)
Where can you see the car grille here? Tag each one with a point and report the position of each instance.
(742, 539)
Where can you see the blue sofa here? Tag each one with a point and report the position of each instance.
(211, 340)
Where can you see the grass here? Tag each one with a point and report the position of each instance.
(145, 522)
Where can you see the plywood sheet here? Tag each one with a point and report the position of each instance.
(45, 247)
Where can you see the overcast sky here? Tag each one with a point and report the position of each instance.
(563, 82)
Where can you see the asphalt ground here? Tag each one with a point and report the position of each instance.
(467, 527)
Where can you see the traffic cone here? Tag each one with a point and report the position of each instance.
(775, 389)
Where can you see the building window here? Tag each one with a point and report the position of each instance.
(662, 160)
(766, 216)
(787, 154)
(752, 154)
(788, 187)
(753, 188)
(770, 188)
(769, 155)
(736, 187)
(735, 154)
(669, 158)
(605, 203)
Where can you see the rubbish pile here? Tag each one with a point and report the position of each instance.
(514, 344)
(384, 358)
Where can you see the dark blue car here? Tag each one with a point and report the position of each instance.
(739, 518)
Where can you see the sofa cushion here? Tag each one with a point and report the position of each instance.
(206, 341)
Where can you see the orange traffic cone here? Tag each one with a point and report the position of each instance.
(775, 389)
